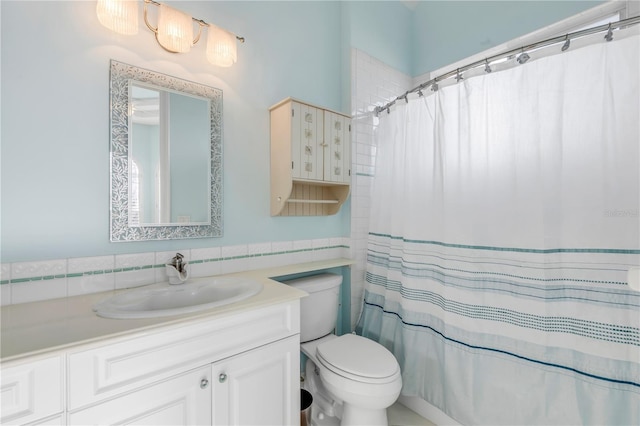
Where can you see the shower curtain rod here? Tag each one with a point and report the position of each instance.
(508, 54)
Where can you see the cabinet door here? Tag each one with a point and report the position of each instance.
(337, 150)
(31, 391)
(306, 145)
(259, 387)
(182, 400)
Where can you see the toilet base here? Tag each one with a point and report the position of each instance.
(354, 416)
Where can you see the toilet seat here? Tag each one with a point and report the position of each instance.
(358, 358)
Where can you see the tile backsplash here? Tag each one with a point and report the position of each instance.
(22, 282)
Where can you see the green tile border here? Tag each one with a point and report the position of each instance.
(157, 266)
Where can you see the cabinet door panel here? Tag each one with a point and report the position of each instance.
(337, 161)
(306, 146)
(31, 391)
(183, 400)
(259, 387)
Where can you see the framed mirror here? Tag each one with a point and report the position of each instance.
(166, 156)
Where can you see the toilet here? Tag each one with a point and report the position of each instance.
(352, 379)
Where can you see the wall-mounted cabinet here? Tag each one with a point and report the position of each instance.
(310, 159)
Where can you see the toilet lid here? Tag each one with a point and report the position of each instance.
(358, 358)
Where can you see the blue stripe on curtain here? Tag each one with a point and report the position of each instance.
(497, 264)
(407, 308)
(584, 373)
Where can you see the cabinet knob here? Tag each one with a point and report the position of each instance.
(222, 378)
(204, 383)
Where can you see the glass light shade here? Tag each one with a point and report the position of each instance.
(120, 16)
(222, 49)
(175, 30)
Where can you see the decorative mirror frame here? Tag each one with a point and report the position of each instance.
(120, 76)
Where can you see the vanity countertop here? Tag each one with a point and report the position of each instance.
(37, 328)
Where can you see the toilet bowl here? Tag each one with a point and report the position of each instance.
(358, 378)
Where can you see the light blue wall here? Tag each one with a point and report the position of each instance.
(55, 123)
(445, 32)
(382, 29)
(55, 118)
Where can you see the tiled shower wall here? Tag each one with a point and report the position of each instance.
(22, 282)
(372, 83)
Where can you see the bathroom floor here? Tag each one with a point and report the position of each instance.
(399, 415)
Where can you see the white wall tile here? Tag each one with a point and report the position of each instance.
(136, 277)
(133, 260)
(230, 266)
(5, 289)
(206, 253)
(42, 268)
(94, 272)
(208, 268)
(233, 251)
(5, 294)
(205, 269)
(5, 271)
(280, 259)
(32, 291)
(281, 246)
(93, 283)
(90, 264)
(319, 243)
(258, 248)
(302, 244)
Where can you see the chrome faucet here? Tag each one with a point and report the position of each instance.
(178, 263)
(176, 269)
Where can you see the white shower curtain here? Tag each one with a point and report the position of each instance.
(505, 217)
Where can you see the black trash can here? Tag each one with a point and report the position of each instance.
(305, 407)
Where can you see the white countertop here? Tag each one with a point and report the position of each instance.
(38, 328)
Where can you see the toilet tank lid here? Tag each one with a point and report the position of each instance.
(314, 283)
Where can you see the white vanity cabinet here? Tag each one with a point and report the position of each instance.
(252, 388)
(237, 369)
(310, 159)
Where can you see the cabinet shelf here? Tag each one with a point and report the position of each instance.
(310, 159)
(295, 200)
(308, 199)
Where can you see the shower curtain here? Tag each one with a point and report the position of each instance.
(505, 218)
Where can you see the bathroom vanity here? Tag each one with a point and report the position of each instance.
(232, 365)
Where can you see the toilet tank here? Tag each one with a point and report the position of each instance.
(319, 310)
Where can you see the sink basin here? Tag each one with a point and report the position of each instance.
(160, 300)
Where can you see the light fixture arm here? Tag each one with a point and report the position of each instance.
(201, 23)
(146, 20)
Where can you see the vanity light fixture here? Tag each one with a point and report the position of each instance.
(221, 47)
(175, 29)
(120, 16)
(174, 32)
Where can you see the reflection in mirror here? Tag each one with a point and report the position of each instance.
(166, 156)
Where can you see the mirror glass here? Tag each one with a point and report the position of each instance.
(166, 156)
